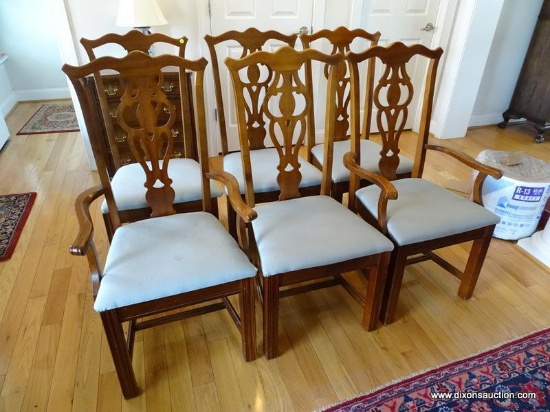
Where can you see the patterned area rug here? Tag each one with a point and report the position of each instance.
(14, 210)
(512, 377)
(52, 118)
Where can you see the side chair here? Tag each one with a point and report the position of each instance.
(343, 40)
(171, 261)
(418, 215)
(125, 173)
(298, 239)
(263, 155)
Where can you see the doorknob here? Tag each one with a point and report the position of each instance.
(428, 27)
(303, 30)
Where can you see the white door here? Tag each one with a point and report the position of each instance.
(285, 16)
(408, 21)
(397, 20)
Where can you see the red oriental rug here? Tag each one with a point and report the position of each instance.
(512, 377)
(51, 118)
(14, 210)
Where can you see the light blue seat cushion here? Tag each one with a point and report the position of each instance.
(425, 211)
(164, 256)
(370, 155)
(129, 191)
(312, 231)
(264, 164)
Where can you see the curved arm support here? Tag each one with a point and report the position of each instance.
(387, 189)
(245, 212)
(86, 228)
(84, 243)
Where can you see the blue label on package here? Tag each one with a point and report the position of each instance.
(528, 194)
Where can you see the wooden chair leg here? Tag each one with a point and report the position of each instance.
(232, 221)
(474, 264)
(375, 289)
(248, 318)
(120, 354)
(338, 192)
(108, 226)
(271, 316)
(396, 270)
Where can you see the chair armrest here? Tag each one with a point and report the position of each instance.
(387, 189)
(482, 169)
(245, 212)
(468, 161)
(86, 228)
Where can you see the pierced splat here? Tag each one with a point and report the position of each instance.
(286, 105)
(254, 89)
(141, 111)
(287, 126)
(250, 41)
(343, 93)
(341, 40)
(392, 97)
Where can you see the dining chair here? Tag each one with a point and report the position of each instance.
(417, 214)
(263, 155)
(297, 238)
(172, 265)
(126, 175)
(344, 40)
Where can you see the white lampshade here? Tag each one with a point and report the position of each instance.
(139, 13)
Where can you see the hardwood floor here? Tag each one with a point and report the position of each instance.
(53, 355)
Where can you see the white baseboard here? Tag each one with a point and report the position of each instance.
(42, 94)
(485, 120)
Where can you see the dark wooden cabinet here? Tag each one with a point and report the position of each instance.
(116, 146)
(531, 98)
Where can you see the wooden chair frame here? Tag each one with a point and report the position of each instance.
(132, 41)
(395, 80)
(155, 142)
(340, 40)
(251, 40)
(285, 63)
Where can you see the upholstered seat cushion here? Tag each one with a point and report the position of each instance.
(129, 191)
(370, 155)
(312, 231)
(425, 211)
(264, 164)
(164, 256)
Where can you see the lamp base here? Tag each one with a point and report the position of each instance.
(144, 30)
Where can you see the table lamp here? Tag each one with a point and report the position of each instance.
(140, 14)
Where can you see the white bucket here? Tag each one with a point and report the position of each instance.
(519, 197)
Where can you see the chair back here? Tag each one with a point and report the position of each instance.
(146, 115)
(133, 40)
(340, 40)
(247, 42)
(390, 96)
(117, 45)
(273, 100)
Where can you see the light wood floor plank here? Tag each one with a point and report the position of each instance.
(181, 388)
(37, 394)
(88, 377)
(21, 363)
